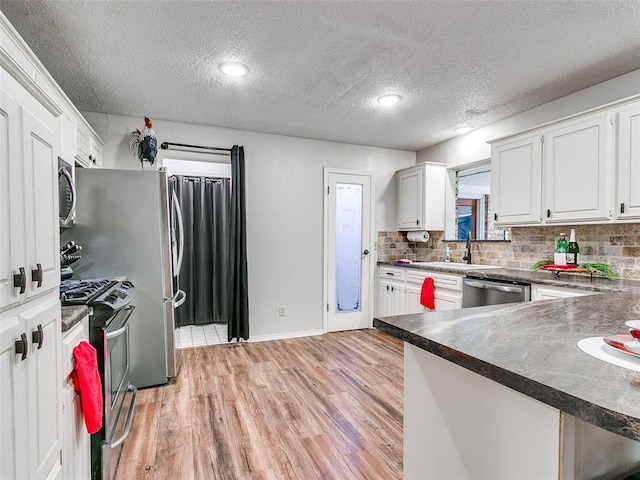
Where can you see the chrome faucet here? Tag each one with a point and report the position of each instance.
(467, 253)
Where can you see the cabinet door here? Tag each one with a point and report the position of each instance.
(14, 441)
(397, 299)
(390, 298)
(410, 185)
(96, 153)
(577, 159)
(412, 299)
(83, 145)
(516, 181)
(12, 201)
(551, 293)
(68, 136)
(447, 301)
(40, 170)
(44, 386)
(628, 148)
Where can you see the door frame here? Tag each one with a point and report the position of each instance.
(372, 257)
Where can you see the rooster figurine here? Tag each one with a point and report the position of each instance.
(146, 143)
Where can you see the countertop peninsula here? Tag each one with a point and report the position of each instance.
(532, 348)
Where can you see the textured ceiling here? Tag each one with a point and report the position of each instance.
(317, 67)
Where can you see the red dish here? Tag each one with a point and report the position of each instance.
(621, 342)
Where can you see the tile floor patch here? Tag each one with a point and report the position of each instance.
(201, 335)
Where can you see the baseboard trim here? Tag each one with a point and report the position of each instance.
(284, 336)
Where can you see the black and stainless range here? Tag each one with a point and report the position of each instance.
(110, 301)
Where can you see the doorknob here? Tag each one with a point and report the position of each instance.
(366, 252)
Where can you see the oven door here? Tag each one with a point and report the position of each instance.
(118, 411)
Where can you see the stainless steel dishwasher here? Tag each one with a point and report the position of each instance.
(480, 292)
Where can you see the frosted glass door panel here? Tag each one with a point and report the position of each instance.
(348, 247)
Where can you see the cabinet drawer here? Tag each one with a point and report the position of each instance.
(395, 273)
(71, 338)
(450, 282)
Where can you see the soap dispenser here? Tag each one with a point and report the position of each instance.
(447, 254)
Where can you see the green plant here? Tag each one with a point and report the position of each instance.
(539, 263)
(602, 268)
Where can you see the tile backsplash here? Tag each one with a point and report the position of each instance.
(617, 245)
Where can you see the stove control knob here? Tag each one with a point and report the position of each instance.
(126, 284)
(111, 298)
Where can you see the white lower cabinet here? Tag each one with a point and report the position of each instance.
(544, 292)
(399, 291)
(391, 287)
(76, 442)
(447, 291)
(29, 398)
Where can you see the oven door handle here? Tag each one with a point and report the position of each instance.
(123, 328)
(127, 425)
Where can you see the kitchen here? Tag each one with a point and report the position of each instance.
(283, 235)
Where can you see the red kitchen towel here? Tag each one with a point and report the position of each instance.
(86, 380)
(426, 294)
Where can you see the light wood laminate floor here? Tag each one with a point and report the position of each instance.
(327, 406)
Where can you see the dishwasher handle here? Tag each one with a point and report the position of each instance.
(495, 286)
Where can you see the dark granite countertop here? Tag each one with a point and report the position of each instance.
(581, 282)
(72, 315)
(532, 348)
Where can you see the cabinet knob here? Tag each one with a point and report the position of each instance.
(22, 347)
(417, 222)
(36, 275)
(548, 213)
(37, 336)
(622, 208)
(495, 217)
(366, 252)
(20, 280)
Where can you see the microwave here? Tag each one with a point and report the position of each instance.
(66, 193)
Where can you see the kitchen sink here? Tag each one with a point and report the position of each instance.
(460, 266)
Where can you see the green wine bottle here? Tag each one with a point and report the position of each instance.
(572, 249)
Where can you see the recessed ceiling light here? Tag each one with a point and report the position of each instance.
(233, 69)
(463, 129)
(388, 100)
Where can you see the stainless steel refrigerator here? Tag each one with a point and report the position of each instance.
(129, 225)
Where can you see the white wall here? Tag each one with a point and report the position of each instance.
(284, 177)
(473, 147)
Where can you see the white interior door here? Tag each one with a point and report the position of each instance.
(347, 246)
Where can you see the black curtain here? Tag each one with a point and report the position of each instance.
(238, 326)
(205, 204)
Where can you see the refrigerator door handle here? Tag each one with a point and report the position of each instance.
(178, 298)
(176, 206)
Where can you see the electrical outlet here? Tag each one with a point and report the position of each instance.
(281, 310)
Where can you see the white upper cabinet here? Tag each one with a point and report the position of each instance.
(628, 153)
(571, 177)
(68, 134)
(421, 198)
(29, 243)
(577, 159)
(88, 146)
(516, 180)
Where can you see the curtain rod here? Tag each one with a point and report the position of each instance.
(166, 145)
